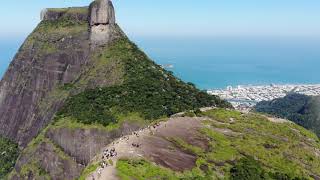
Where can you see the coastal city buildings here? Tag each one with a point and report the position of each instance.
(245, 97)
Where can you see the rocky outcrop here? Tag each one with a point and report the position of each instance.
(44, 161)
(62, 152)
(101, 12)
(43, 63)
(74, 14)
(64, 49)
(54, 55)
(84, 143)
(102, 22)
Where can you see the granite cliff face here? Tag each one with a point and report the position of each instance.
(102, 22)
(62, 50)
(43, 63)
(52, 56)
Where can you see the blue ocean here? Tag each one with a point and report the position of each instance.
(8, 48)
(218, 62)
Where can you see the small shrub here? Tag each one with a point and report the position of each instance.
(247, 168)
(9, 153)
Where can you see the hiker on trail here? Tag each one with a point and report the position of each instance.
(136, 145)
(105, 152)
(104, 164)
(136, 133)
(99, 172)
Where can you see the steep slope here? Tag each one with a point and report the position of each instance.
(94, 118)
(51, 56)
(55, 54)
(146, 89)
(301, 109)
(218, 144)
(80, 63)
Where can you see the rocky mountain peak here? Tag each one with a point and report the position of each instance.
(102, 22)
(54, 54)
(101, 13)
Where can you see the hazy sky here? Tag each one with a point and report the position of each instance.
(183, 17)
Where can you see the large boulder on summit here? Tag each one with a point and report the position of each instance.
(102, 12)
(102, 22)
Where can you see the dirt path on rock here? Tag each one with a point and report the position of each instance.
(124, 148)
(154, 145)
(277, 120)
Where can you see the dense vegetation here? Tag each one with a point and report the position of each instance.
(141, 170)
(249, 168)
(301, 109)
(147, 89)
(276, 147)
(242, 147)
(8, 154)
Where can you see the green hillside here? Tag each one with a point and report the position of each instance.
(301, 109)
(146, 89)
(241, 146)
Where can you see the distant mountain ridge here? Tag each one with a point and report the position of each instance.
(301, 109)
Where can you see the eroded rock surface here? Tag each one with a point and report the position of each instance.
(102, 22)
(102, 12)
(75, 14)
(43, 63)
(46, 160)
(54, 55)
(84, 143)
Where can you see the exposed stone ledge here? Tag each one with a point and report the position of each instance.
(73, 13)
(100, 16)
(101, 13)
(102, 22)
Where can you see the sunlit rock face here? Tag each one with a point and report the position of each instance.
(102, 12)
(50, 57)
(75, 14)
(102, 22)
(33, 74)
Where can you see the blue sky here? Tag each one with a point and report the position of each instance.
(183, 17)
